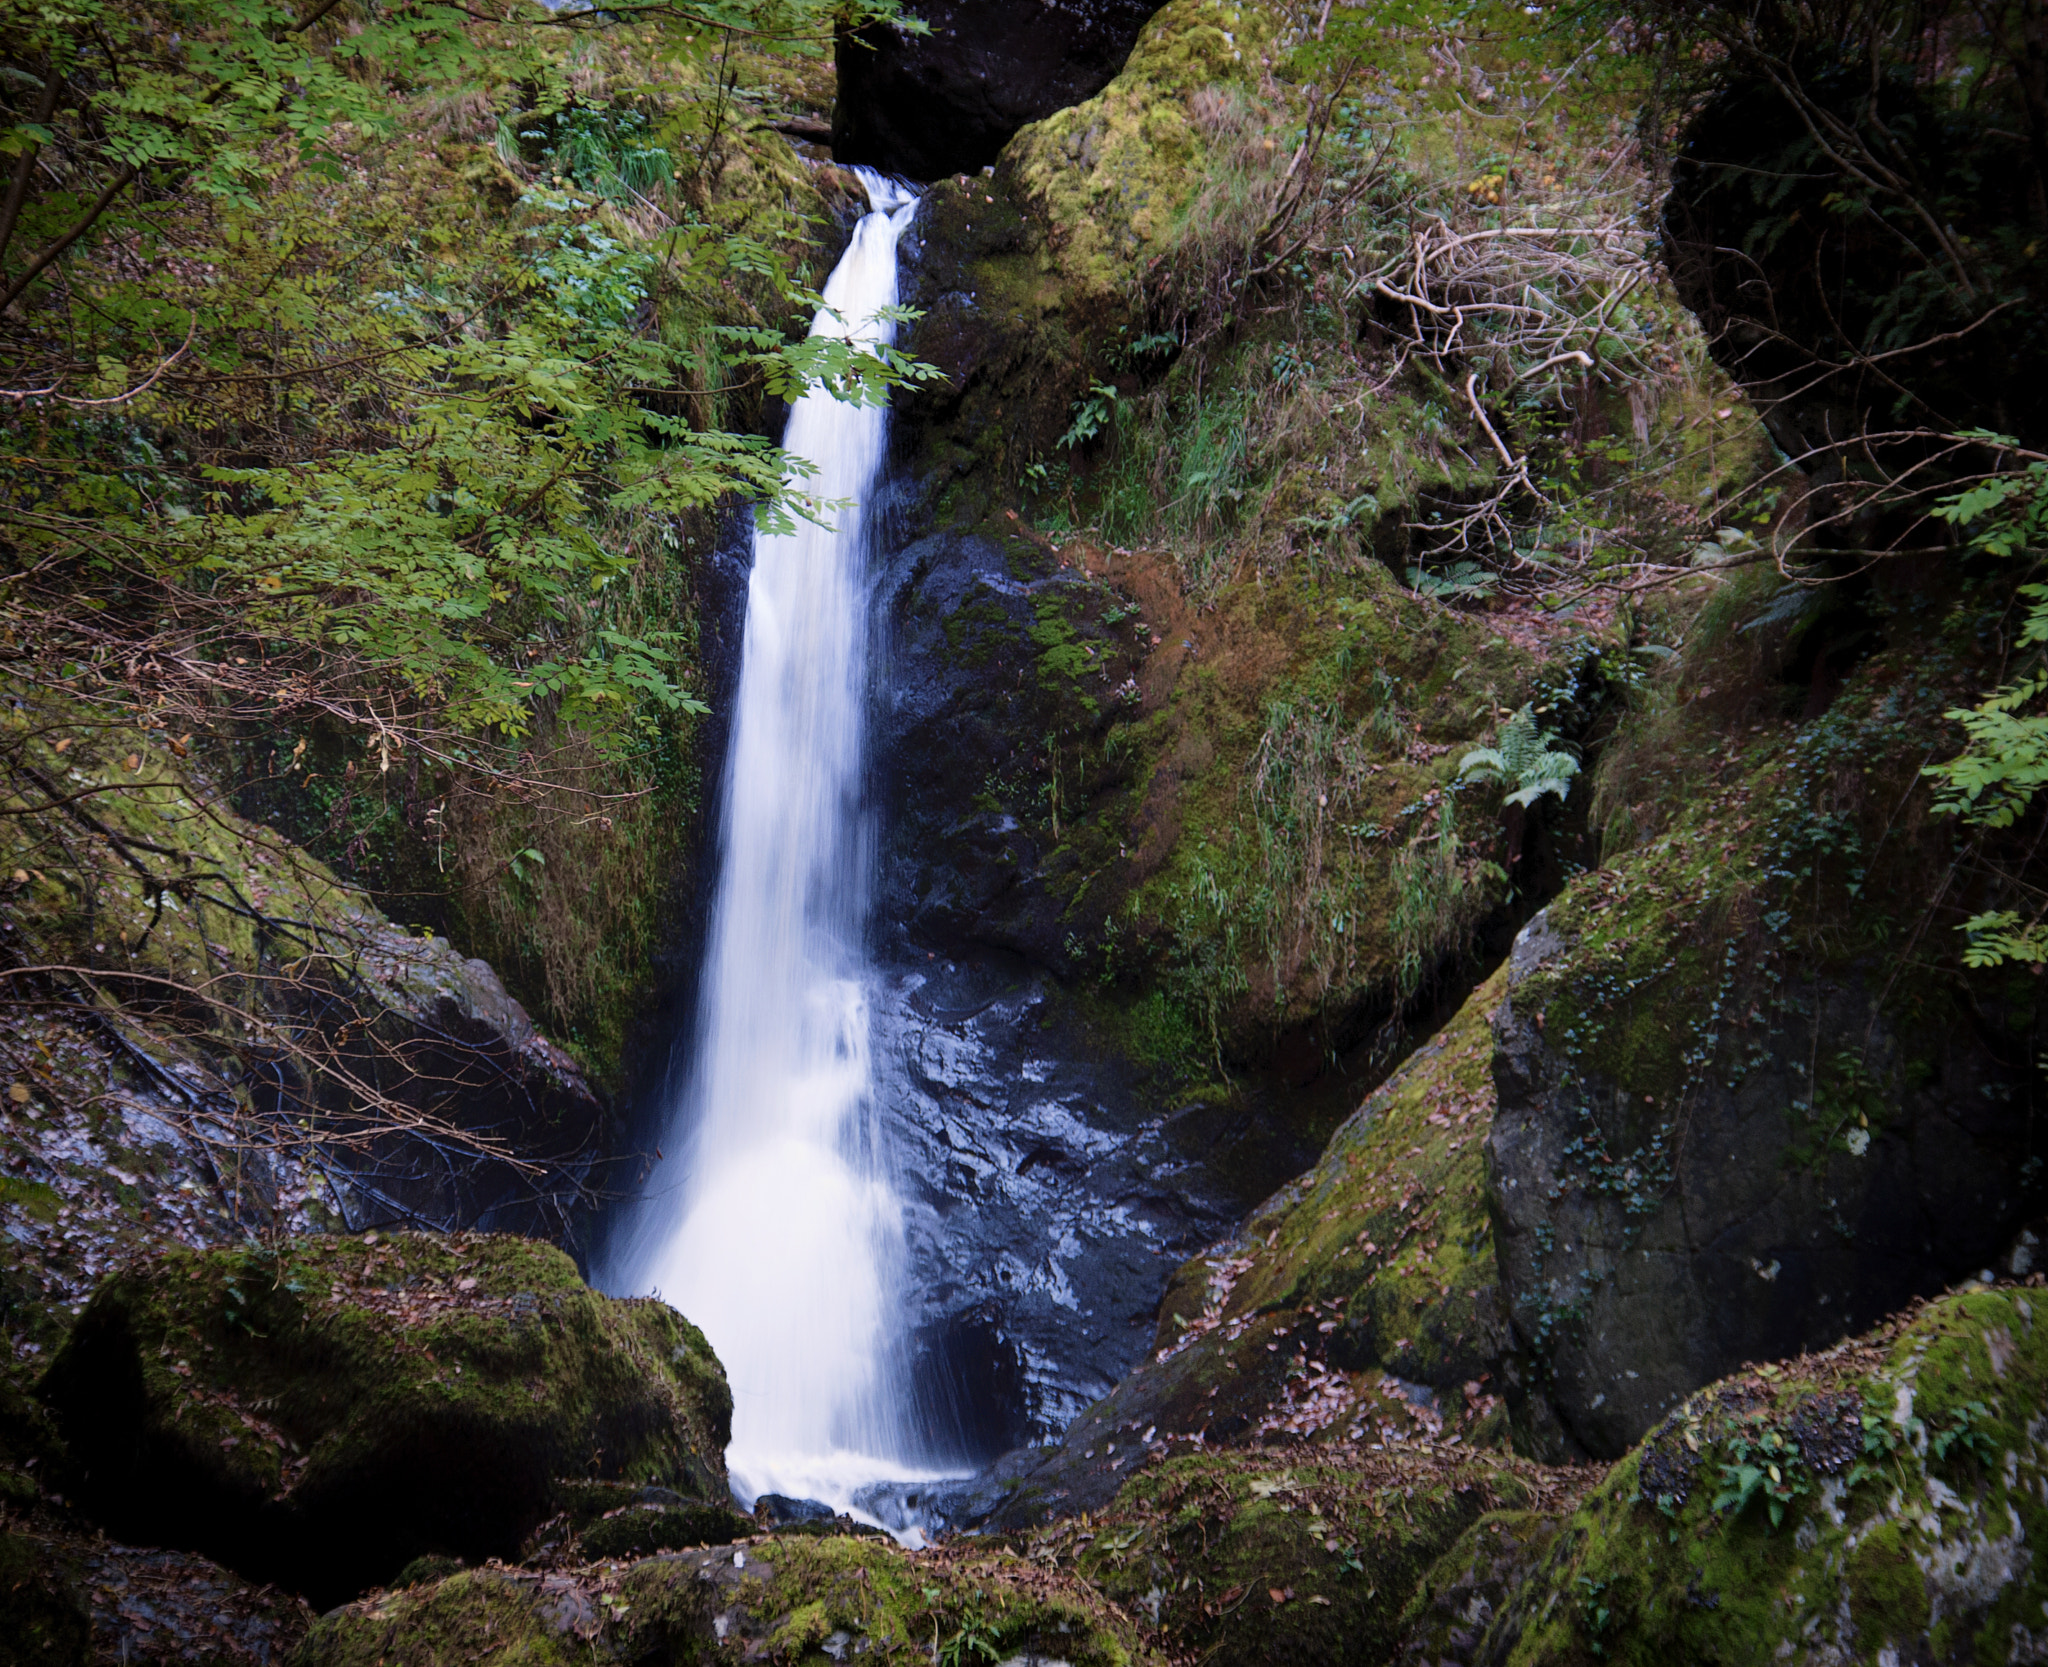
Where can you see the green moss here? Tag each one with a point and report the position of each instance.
(1471, 1581)
(257, 1396)
(1387, 1238)
(1116, 173)
(1887, 1594)
(1883, 1529)
(31, 1197)
(783, 1600)
(478, 1615)
(1260, 1557)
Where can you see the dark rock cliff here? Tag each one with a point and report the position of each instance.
(947, 102)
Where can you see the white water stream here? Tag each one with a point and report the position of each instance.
(773, 1223)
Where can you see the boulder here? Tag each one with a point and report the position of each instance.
(70, 1597)
(809, 1599)
(1458, 1599)
(1272, 1556)
(602, 1522)
(1881, 1501)
(410, 1067)
(322, 1412)
(947, 102)
(1751, 1098)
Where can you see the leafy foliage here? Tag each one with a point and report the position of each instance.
(376, 373)
(504, 400)
(1766, 1466)
(1525, 758)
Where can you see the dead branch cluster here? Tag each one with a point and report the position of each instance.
(1509, 313)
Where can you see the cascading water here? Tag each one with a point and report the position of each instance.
(773, 1223)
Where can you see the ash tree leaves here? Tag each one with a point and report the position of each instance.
(1993, 781)
(453, 433)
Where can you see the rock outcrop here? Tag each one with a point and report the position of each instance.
(243, 1042)
(320, 1412)
(1359, 1304)
(68, 1597)
(1734, 1123)
(1880, 1501)
(947, 102)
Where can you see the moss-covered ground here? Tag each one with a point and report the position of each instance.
(1272, 1555)
(785, 1599)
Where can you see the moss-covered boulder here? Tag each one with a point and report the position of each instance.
(602, 1522)
(1751, 1098)
(1458, 1599)
(804, 1599)
(1886, 1501)
(1274, 1556)
(320, 1413)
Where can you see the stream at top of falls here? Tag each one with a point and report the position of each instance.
(774, 1223)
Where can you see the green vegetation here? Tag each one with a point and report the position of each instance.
(1872, 1498)
(1524, 760)
(379, 382)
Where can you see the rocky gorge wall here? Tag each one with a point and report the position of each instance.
(1401, 1229)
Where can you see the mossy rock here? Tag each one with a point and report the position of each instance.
(321, 1413)
(1750, 1101)
(785, 1600)
(642, 1530)
(1116, 173)
(1884, 1501)
(1272, 1556)
(1457, 1600)
(175, 885)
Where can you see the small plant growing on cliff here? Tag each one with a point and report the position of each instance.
(1524, 756)
(1768, 1466)
(1092, 416)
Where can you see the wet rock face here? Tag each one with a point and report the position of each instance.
(1779, 1219)
(947, 102)
(1045, 1206)
(1050, 1191)
(1358, 1304)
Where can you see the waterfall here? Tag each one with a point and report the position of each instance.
(773, 1222)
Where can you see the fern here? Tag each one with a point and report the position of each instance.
(1524, 757)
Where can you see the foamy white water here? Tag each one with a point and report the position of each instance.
(773, 1223)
